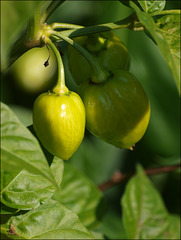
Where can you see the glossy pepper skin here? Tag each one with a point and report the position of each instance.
(117, 110)
(30, 74)
(59, 122)
(107, 49)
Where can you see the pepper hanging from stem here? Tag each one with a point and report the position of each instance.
(60, 87)
(99, 73)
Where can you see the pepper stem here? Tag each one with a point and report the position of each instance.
(60, 86)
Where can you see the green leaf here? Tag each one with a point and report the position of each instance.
(127, 2)
(14, 15)
(48, 221)
(166, 33)
(112, 226)
(152, 7)
(57, 168)
(19, 148)
(80, 195)
(26, 190)
(174, 231)
(167, 36)
(97, 235)
(24, 114)
(7, 210)
(144, 213)
(24, 167)
(47, 154)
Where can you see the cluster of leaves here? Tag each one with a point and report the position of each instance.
(55, 201)
(164, 30)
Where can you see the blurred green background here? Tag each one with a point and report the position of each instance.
(161, 144)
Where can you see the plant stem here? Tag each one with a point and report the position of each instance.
(51, 8)
(33, 35)
(22, 45)
(130, 22)
(172, 11)
(31, 38)
(60, 86)
(65, 25)
(119, 177)
(99, 74)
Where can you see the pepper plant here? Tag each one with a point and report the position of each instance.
(101, 117)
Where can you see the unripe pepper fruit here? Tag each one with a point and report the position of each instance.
(107, 49)
(59, 122)
(117, 110)
(29, 72)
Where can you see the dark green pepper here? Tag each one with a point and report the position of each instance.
(107, 49)
(117, 110)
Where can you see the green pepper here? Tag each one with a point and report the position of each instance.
(117, 110)
(59, 122)
(107, 49)
(30, 74)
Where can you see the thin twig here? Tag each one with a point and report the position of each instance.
(118, 177)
